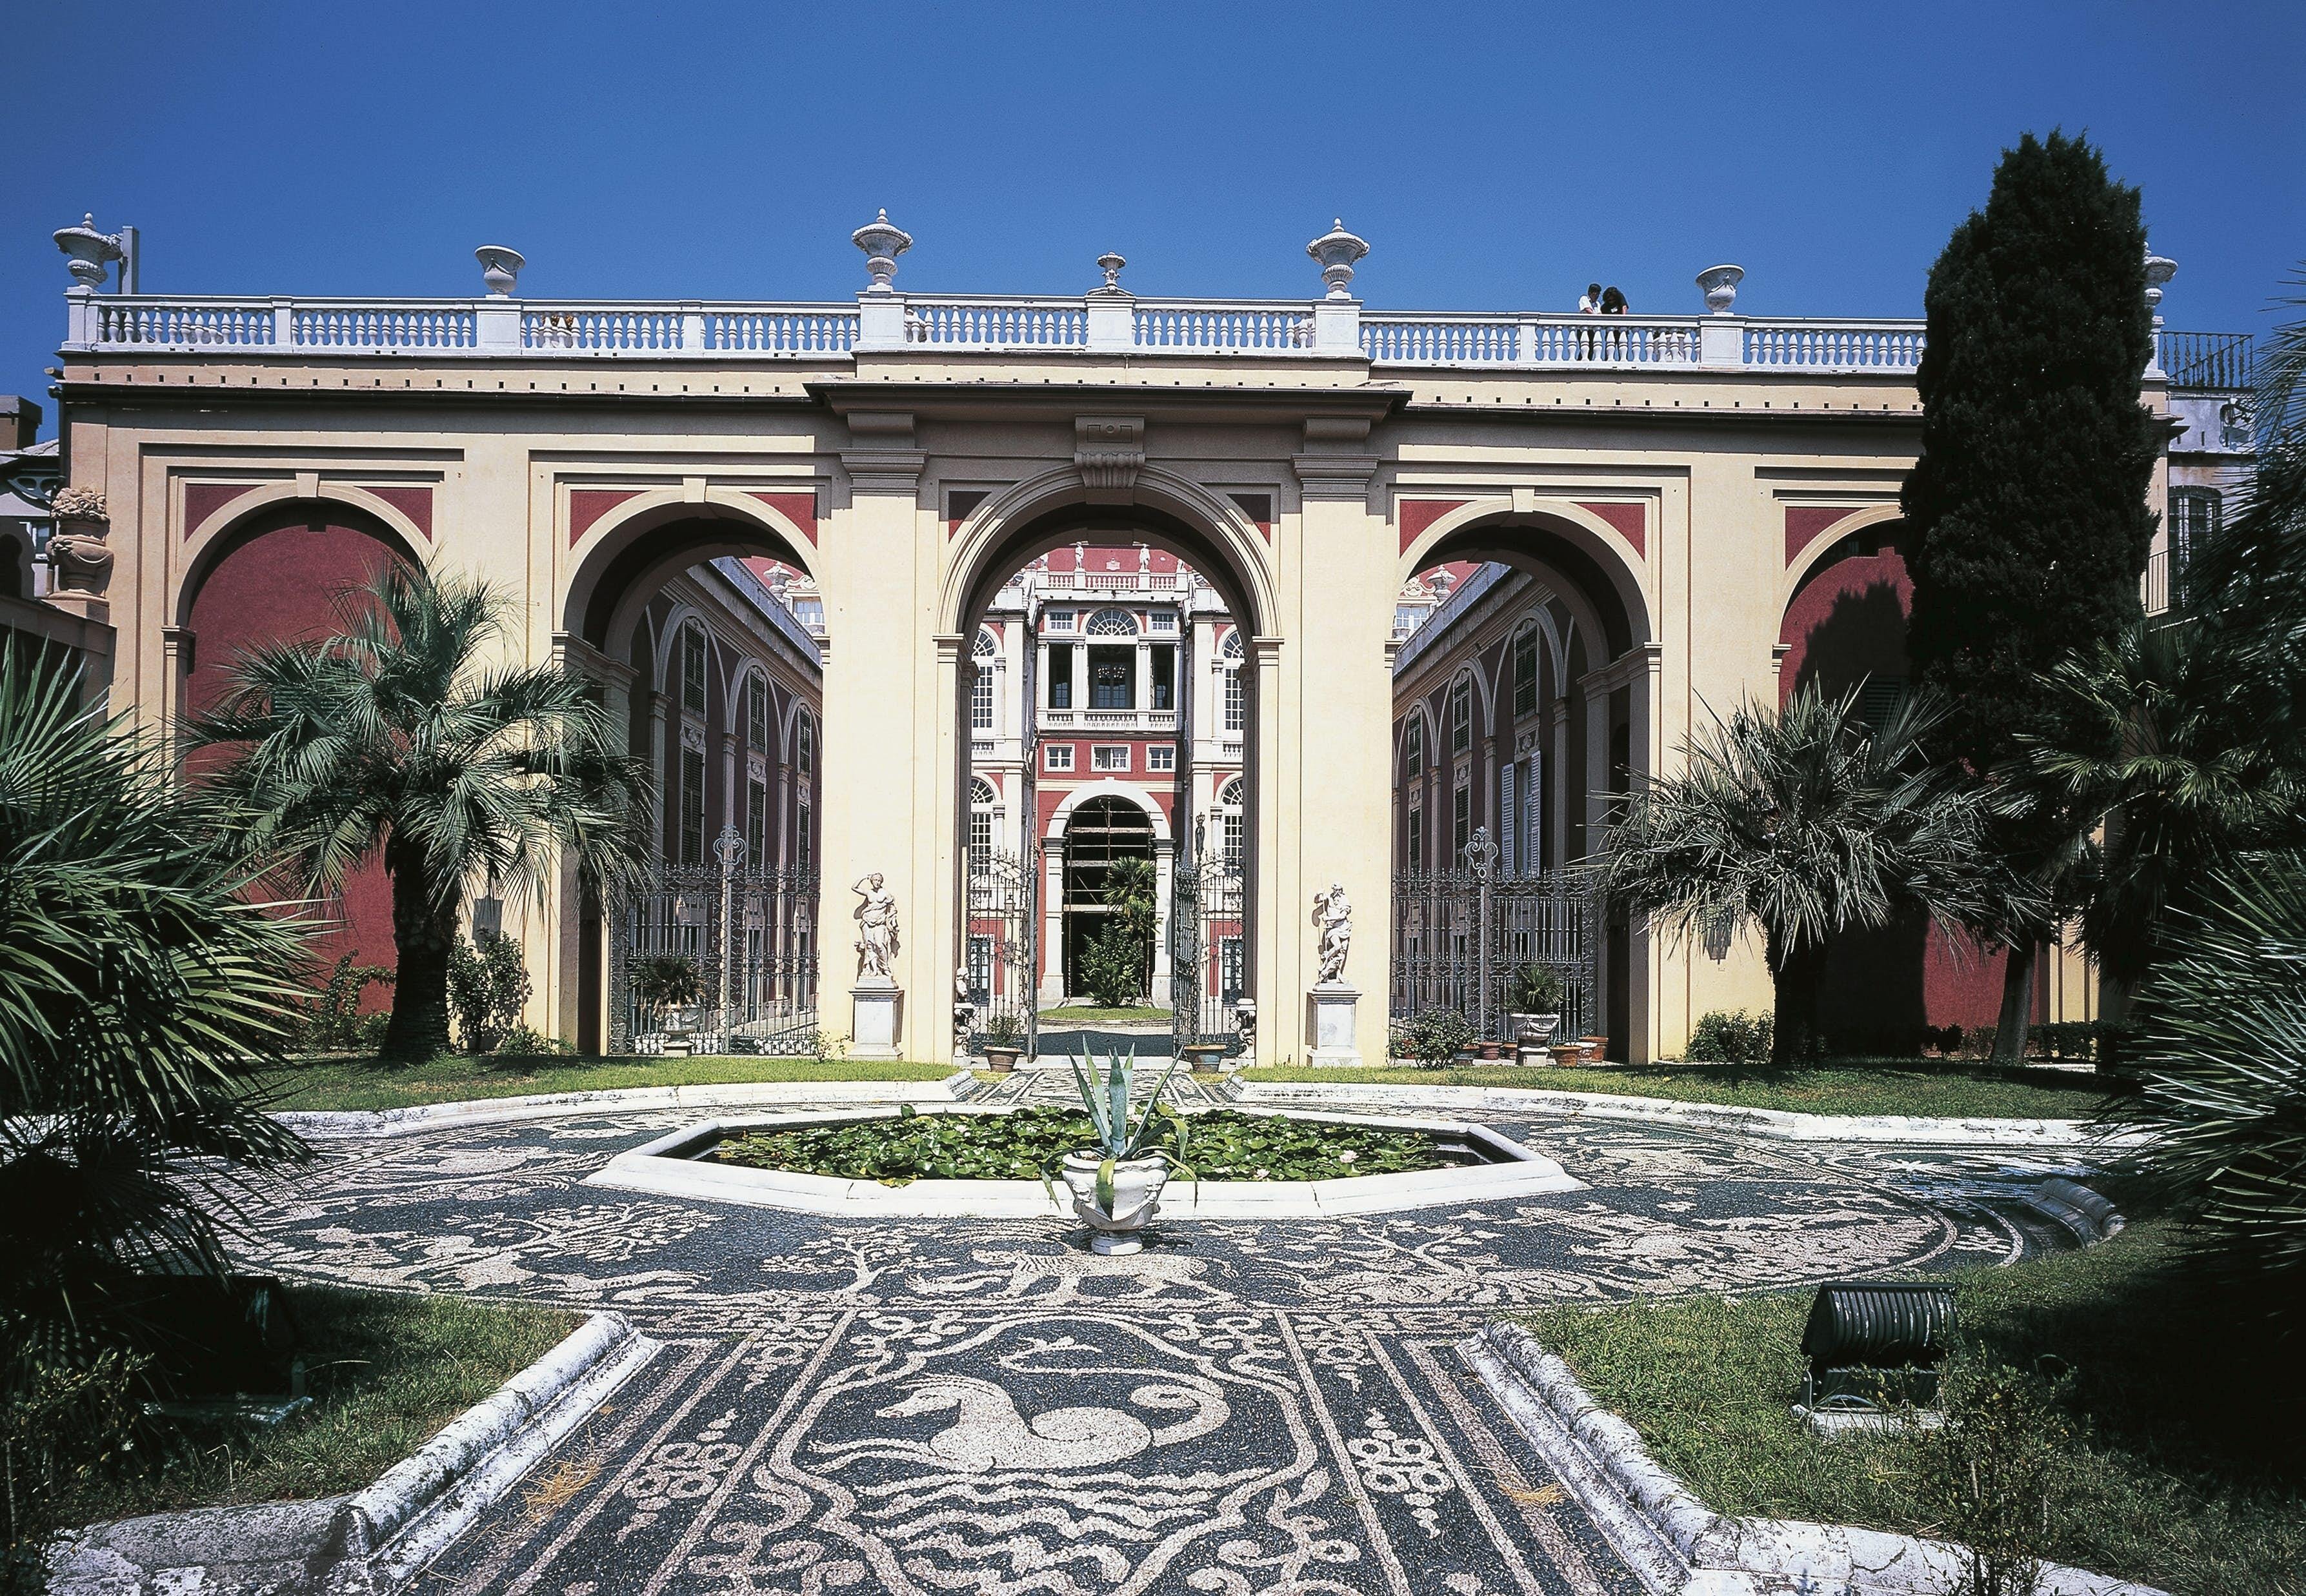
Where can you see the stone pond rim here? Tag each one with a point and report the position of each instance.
(671, 1166)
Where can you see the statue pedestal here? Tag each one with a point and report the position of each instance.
(873, 1030)
(1330, 1008)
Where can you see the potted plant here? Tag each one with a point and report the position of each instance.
(1005, 1039)
(1594, 1047)
(1204, 1058)
(661, 984)
(1116, 1184)
(1538, 995)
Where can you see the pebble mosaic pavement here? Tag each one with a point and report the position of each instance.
(932, 1406)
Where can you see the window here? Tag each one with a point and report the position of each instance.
(1109, 758)
(980, 970)
(1057, 621)
(2194, 514)
(1461, 715)
(1229, 822)
(1112, 678)
(692, 668)
(692, 806)
(1161, 756)
(1506, 838)
(982, 805)
(1165, 678)
(1413, 746)
(1417, 839)
(980, 696)
(1231, 654)
(1881, 698)
(1061, 675)
(1461, 823)
(756, 713)
(1164, 621)
(1525, 671)
(757, 823)
(805, 743)
(1060, 757)
(803, 846)
(1232, 970)
(1112, 623)
(1406, 618)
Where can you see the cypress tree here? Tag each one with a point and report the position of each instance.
(2028, 506)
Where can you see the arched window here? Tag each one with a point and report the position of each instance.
(1229, 824)
(1230, 657)
(1461, 715)
(756, 713)
(1525, 669)
(1413, 746)
(805, 743)
(980, 681)
(982, 806)
(1112, 623)
(692, 668)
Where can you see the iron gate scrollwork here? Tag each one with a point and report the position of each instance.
(1207, 957)
(1462, 937)
(1001, 961)
(747, 936)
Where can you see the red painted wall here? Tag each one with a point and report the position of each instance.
(1848, 620)
(277, 581)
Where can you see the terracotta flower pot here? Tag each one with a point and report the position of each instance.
(1566, 1055)
(1001, 1061)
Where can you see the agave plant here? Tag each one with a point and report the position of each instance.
(1120, 1134)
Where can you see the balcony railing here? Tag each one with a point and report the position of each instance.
(2220, 359)
(997, 324)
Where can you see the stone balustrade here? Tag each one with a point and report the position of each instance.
(986, 324)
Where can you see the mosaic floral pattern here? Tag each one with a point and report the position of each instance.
(938, 1407)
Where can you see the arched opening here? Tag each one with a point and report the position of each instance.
(705, 631)
(279, 575)
(1521, 706)
(1106, 703)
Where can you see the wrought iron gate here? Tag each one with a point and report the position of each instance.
(746, 939)
(1461, 938)
(1001, 963)
(1207, 953)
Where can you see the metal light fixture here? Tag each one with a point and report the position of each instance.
(1874, 1348)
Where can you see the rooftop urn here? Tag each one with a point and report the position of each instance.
(882, 242)
(1718, 284)
(2159, 270)
(1111, 264)
(499, 268)
(1337, 251)
(90, 251)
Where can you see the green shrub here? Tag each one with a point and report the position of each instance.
(1724, 1038)
(1112, 965)
(520, 1042)
(1992, 1472)
(331, 1020)
(1538, 990)
(60, 1427)
(1433, 1036)
(488, 988)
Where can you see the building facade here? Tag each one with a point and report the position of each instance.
(1673, 483)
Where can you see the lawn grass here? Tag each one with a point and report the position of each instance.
(384, 1372)
(1059, 1020)
(363, 1083)
(1953, 1089)
(2181, 1471)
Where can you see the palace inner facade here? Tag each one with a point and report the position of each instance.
(1313, 591)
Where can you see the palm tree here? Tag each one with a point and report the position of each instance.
(1809, 823)
(2151, 757)
(141, 989)
(395, 740)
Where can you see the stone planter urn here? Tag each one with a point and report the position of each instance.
(77, 551)
(1204, 1058)
(1137, 1185)
(1534, 1029)
(1718, 284)
(680, 1033)
(1000, 1058)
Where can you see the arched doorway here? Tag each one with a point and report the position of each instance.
(1101, 833)
(705, 630)
(1524, 703)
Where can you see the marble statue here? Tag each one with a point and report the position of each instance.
(876, 925)
(1335, 917)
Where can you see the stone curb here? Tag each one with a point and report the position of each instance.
(378, 1540)
(345, 1123)
(1719, 1555)
(1774, 1123)
(2090, 1216)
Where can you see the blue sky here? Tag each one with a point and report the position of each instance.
(1495, 157)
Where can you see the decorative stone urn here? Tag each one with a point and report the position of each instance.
(1337, 252)
(1718, 284)
(499, 268)
(90, 251)
(1533, 1029)
(1137, 1185)
(78, 552)
(2159, 270)
(883, 242)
